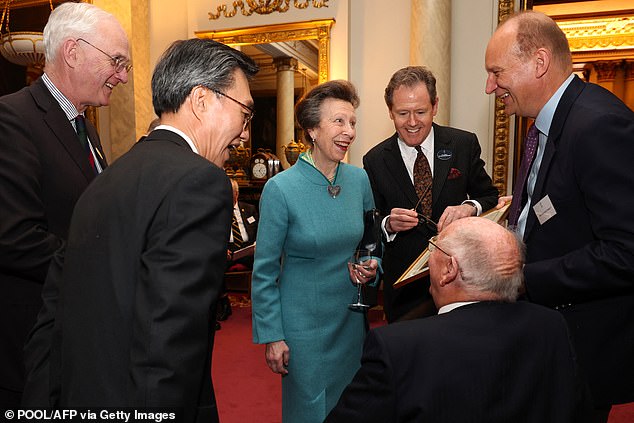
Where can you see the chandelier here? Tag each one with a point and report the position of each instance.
(24, 48)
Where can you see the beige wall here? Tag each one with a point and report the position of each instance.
(369, 41)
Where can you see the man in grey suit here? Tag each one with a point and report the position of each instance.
(576, 209)
(147, 246)
(44, 167)
(460, 187)
(483, 358)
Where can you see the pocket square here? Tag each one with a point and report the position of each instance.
(454, 173)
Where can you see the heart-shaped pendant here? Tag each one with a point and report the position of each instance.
(334, 190)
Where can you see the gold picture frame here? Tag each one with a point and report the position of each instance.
(318, 30)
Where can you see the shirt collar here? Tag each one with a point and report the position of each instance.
(427, 145)
(450, 307)
(67, 106)
(546, 114)
(181, 133)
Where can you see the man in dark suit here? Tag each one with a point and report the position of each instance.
(44, 167)
(246, 217)
(483, 358)
(147, 246)
(460, 188)
(576, 215)
(245, 222)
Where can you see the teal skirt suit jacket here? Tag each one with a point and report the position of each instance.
(301, 287)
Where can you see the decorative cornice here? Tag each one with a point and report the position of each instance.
(605, 33)
(263, 7)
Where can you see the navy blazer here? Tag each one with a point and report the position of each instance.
(142, 269)
(392, 187)
(484, 362)
(581, 261)
(43, 171)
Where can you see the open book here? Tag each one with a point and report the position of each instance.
(243, 252)
(419, 269)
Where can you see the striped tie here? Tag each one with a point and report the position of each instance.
(235, 231)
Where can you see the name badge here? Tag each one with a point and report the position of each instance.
(444, 154)
(250, 219)
(544, 210)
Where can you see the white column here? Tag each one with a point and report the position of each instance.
(430, 46)
(285, 104)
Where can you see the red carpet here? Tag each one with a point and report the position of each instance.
(248, 392)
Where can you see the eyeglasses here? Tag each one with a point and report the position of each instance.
(433, 245)
(247, 116)
(119, 63)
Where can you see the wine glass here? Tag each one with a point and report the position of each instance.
(359, 264)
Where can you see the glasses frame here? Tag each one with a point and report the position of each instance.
(117, 62)
(433, 242)
(247, 117)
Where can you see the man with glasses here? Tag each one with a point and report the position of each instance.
(423, 177)
(50, 154)
(147, 245)
(483, 358)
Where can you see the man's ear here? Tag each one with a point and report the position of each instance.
(199, 98)
(450, 271)
(70, 52)
(542, 62)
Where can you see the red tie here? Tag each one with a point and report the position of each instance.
(530, 147)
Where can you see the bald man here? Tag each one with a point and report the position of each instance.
(484, 357)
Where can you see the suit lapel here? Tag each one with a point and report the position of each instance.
(394, 164)
(554, 133)
(443, 145)
(96, 143)
(61, 127)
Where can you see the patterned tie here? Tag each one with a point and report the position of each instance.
(530, 147)
(80, 123)
(235, 231)
(422, 181)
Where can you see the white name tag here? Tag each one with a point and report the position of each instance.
(250, 219)
(544, 210)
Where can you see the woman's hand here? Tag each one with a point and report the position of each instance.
(277, 355)
(364, 272)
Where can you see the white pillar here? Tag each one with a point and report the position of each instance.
(430, 46)
(285, 104)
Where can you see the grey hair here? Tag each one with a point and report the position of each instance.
(71, 20)
(410, 76)
(492, 266)
(308, 108)
(195, 62)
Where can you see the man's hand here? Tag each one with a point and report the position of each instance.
(401, 220)
(277, 355)
(502, 201)
(452, 213)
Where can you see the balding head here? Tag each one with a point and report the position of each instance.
(535, 30)
(487, 260)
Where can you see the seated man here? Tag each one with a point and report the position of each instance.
(483, 358)
(244, 227)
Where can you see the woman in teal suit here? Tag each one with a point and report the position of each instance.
(311, 220)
